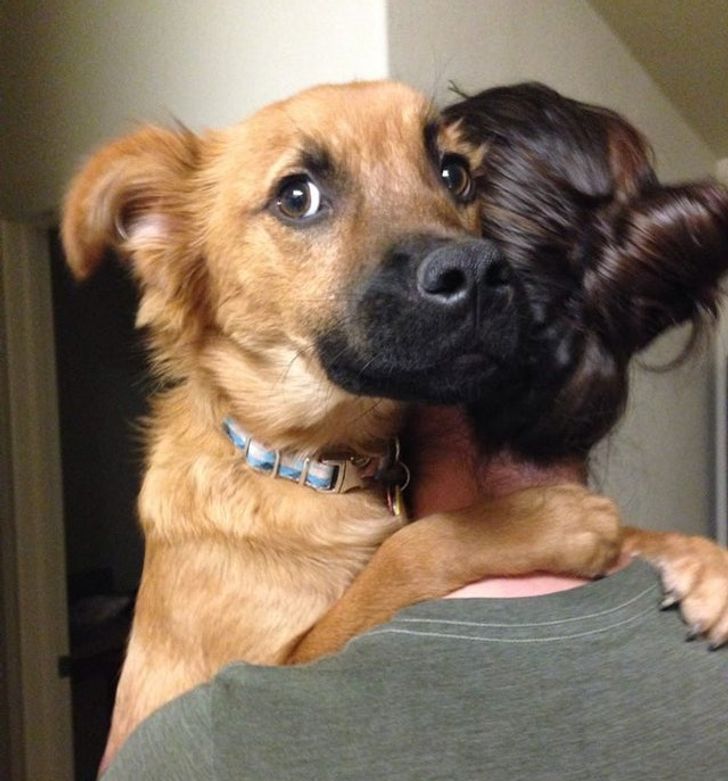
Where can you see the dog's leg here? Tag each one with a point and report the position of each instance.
(151, 676)
(694, 573)
(562, 529)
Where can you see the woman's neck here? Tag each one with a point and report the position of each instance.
(449, 474)
(504, 473)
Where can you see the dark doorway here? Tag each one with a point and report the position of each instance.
(102, 379)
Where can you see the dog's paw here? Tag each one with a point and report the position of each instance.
(588, 540)
(694, 573)
(697, 579)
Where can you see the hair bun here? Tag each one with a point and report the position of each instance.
(661, 258)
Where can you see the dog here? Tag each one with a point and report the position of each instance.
(303, 276)
(608, 259)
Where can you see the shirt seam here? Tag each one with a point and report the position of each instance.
(414, 620)
(555, 638)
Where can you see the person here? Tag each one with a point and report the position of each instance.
(538, 677)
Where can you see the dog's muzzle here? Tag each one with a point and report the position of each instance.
(433, 323)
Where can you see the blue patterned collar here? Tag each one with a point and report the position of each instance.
(329, 475)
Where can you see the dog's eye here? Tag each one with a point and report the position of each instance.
(298, 198)
(455, 173)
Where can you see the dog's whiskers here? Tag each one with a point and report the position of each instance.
(284, 376)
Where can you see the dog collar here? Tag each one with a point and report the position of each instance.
(327, 475)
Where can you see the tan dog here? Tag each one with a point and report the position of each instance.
(249, 246)
(245, 244)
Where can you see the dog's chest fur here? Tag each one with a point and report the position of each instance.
(241, 563)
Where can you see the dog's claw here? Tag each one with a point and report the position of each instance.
(668, 601)
(693, 633)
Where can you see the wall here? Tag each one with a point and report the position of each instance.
(77, 71)
(659, 465)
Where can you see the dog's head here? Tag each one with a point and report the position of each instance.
(608, 257)
(324, 250)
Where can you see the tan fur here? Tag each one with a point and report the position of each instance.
(239, 566)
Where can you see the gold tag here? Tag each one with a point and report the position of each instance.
(395, 500)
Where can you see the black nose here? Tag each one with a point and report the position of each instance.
(450, 274)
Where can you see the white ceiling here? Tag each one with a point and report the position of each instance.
(683, 44)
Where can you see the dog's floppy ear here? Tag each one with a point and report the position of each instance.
(130, 196)
(662, 255)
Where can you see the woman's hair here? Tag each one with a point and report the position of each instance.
(608, 256)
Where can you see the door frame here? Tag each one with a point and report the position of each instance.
(35, 615)
(720, 405)
(720, 416)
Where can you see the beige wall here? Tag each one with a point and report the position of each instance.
(481, 43)
(721, 170)
(83, 70)
(659, 465)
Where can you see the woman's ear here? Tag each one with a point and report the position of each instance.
(129, 196)
(658, 262)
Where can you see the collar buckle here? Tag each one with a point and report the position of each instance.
(350, 474)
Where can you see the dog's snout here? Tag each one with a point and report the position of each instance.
(451, 273)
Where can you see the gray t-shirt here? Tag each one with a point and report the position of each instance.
(591, 683)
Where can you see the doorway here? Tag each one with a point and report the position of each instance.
(102, 386)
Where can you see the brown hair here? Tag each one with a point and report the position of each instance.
(609, 257)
